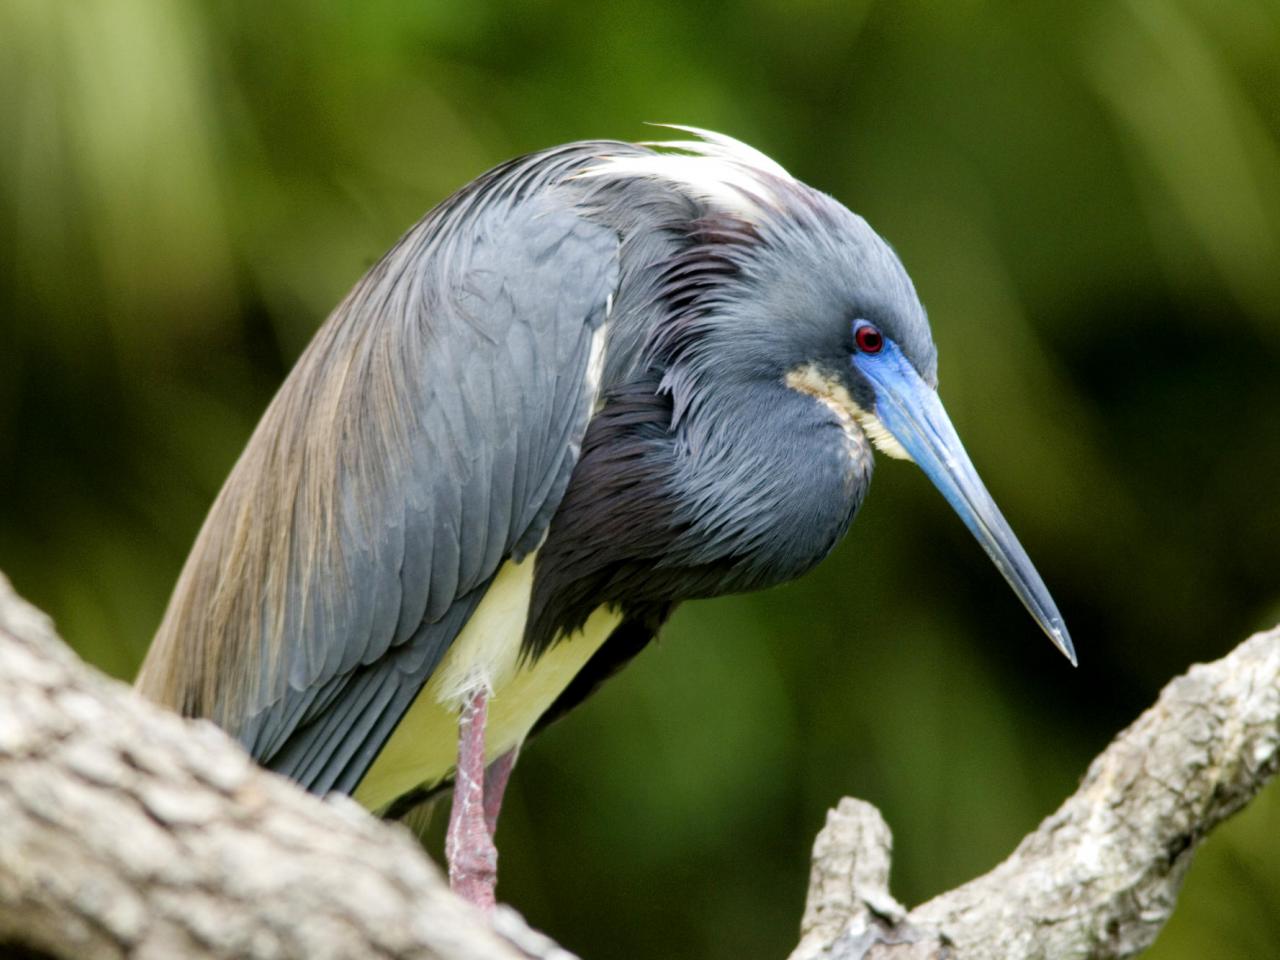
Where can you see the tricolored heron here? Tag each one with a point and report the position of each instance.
(596, 382)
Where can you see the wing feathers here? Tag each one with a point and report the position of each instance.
(426, 434)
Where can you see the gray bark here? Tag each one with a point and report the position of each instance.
(1099, 877)
(126, 831)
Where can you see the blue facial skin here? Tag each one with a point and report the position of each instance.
(912, 412)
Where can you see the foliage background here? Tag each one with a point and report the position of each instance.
(1088, 197)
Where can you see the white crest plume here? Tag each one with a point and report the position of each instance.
(715, 168)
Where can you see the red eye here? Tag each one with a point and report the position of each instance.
(868, 338)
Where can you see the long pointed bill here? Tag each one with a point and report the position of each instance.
(909, 409)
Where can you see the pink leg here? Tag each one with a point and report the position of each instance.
(468, 846)
(495, 785)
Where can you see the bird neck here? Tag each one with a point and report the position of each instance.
(771, 477)
(752, 487)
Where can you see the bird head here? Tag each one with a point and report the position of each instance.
(865, 338)
(784, 282)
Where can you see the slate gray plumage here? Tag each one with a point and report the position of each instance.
(449, 464)
(448, 417)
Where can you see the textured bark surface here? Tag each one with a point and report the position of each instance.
(1099, 877)
(126, 831)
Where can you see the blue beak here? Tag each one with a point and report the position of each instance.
(909, 409)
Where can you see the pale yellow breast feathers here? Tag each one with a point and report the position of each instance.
(485, 655)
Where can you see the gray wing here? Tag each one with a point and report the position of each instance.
(426, 435)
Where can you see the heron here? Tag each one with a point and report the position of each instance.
(596, 382)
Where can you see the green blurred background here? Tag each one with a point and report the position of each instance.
(1088, 197)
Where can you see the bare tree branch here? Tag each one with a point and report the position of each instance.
(126, 831)
(1098, 878)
